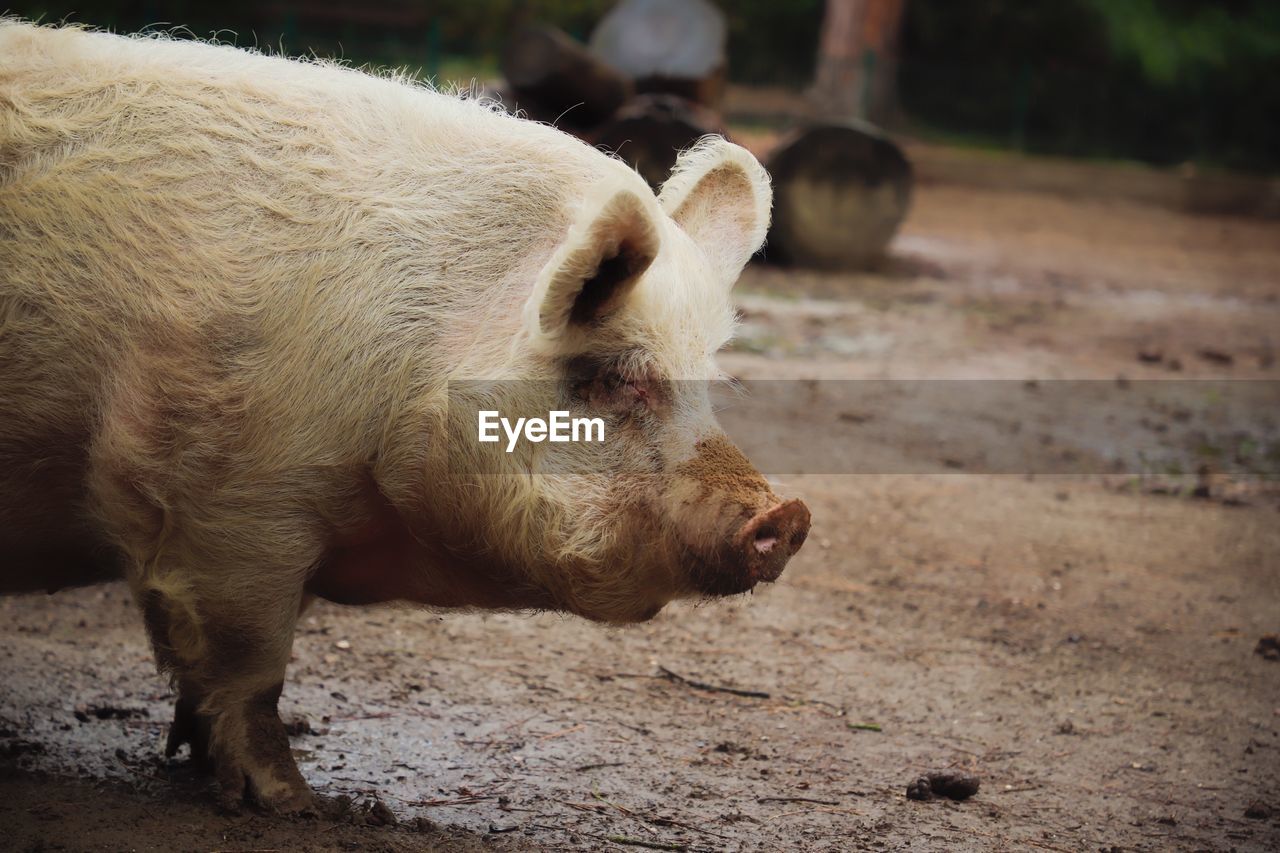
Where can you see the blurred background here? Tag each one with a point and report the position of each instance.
(849, 103)
(1158, 81)
(1012, 190)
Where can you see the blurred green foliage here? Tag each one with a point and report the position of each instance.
(1164, 81)
(771, 42)
(1172, 41)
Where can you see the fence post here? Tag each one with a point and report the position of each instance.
(1021, 106)
(289, 32)
(865, 88)
(1202, 143)
(433, 51)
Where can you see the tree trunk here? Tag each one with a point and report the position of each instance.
(858, 58)
(837, 82)
(881, 30)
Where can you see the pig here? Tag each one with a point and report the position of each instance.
(235, 290)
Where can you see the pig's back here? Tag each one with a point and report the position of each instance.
(289, 234)
(167, 157)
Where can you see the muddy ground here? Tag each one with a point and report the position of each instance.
(1084, 644)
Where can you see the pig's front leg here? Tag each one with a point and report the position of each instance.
(218, 547)
(229, 665)
(224, 632)
(228, 653)
(189, 727)
(230, 676)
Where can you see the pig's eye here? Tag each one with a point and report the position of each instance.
(612, 390)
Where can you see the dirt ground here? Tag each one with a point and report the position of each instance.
(1085, 645)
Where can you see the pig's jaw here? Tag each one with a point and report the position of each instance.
(639, 599)
(708, 580)
(631, 617)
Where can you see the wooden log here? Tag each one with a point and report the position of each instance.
(840, 191)
(672, 47)
(651, 130)
(556, 79)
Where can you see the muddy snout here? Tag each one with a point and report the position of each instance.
(756, 552)
(769, 538)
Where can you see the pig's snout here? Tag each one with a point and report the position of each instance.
(756, 552)
(769, 538)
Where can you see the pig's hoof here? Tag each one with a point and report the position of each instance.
(265, 788)
(189, 728)
(286, 800)
(253, 763)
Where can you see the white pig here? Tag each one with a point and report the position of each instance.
(234, 290)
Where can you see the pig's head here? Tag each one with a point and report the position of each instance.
(623, 323)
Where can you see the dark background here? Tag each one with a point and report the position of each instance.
(1159, 81)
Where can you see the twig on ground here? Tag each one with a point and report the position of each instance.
(657, 821)
(796, 800)
(459, 801)
(604, 676)
(377, 715)
(641, 730)
(667, 821)
(1042, 845)
(823, 810)
(585, 767)
(710, 688)
(492, 739)
(799, 703)
(641, 842)
(608, 802)
(562, 733)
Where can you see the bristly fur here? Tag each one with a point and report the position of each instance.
(234, 289)
(234, 286)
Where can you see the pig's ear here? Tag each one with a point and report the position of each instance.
(607, 249)
(720, 195)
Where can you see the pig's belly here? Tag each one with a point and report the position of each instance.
(24, 568)
(47, 541)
